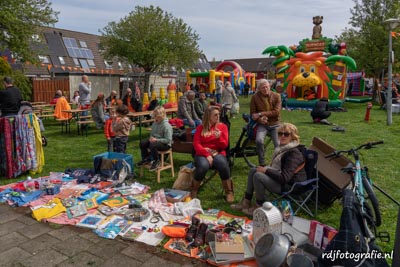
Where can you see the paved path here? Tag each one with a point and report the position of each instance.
(26, 242)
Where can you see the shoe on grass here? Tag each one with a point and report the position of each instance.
(143, 162)
(155, 165)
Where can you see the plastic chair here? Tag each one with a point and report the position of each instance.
(301, 193)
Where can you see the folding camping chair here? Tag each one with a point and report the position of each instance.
(301, 193)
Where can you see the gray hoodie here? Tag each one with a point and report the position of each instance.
(162, 131)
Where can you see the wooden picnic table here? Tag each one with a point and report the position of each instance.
(141, 114)
(37, 103)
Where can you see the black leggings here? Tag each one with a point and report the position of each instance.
(220, 163)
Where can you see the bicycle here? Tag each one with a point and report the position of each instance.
(245, 146)
(362, 186)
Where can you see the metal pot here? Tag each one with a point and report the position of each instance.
(271, 250)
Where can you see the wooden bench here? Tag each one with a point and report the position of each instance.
(83, 126)
(46, 116)
(65, 122)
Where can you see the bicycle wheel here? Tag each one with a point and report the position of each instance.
(371, 198)
(250, 153)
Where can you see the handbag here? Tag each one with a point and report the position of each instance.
(235, 108)
(184, 180)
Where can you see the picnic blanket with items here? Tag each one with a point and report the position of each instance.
(130, 212)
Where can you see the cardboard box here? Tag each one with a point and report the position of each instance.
(321, 234)
(395, 108)
(329, 234)
(173, 195)
(332, 179)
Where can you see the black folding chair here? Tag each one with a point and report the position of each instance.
(301, 193)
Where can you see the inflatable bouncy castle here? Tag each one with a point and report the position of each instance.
(314, 69)
(226, 70)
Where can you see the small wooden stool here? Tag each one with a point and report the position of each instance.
(164, 165)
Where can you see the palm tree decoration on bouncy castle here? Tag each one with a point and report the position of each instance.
(314, 69)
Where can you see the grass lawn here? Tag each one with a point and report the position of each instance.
(73, 151)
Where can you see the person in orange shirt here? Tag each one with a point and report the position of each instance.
(108, 131)
(127, 100)
(171, 86)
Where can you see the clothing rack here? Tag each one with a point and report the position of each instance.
(21, 147)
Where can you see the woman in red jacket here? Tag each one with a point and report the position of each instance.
(210, 143)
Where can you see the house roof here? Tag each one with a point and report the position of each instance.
(64, 51)
(252, 64)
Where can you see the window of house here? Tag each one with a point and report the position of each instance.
(83, 44)
(108, 66)
(84, 63)
(62, 61)
(120, 66)
(91, 63)
(76, 61)
(44, 59)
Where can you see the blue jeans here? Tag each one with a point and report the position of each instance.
(218, 97)
(196, 122)
(220, 163)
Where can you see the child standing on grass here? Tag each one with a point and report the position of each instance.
(108, 132)
(121, 126)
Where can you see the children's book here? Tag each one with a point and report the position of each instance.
(116, 202)
(131, 232)
(93, 193)
(141, 197)
(112, 227)
(91, 203)
(113, 211)
(69, 202)
(76, 211)
(91, 221)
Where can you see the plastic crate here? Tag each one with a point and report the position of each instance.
(395, 108)
(113, 155)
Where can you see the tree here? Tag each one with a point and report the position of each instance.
(19, 21)
(151, 39)
(367, 39)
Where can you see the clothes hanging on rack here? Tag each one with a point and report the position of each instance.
(20, 145)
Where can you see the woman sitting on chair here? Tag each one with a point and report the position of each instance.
(210, 143)
(287, 167)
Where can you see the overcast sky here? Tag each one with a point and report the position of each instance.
(227, 28)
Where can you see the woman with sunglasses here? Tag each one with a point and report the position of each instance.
(210, 142)
(287, 167)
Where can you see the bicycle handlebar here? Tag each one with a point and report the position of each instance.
(368, 145)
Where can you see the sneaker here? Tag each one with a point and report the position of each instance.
(143, 162)
(155, 165)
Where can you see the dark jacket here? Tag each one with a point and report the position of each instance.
(291, 161)
(135, 103)
(10, 101)
(257, 105)
(320, 110)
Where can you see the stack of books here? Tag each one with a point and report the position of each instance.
(237, 250)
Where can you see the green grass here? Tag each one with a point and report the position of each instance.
(73, 151)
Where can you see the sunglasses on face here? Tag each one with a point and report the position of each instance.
(285, 134)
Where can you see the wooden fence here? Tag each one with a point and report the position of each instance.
(44, 90)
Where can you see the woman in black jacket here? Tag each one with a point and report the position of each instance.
(287, 167)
